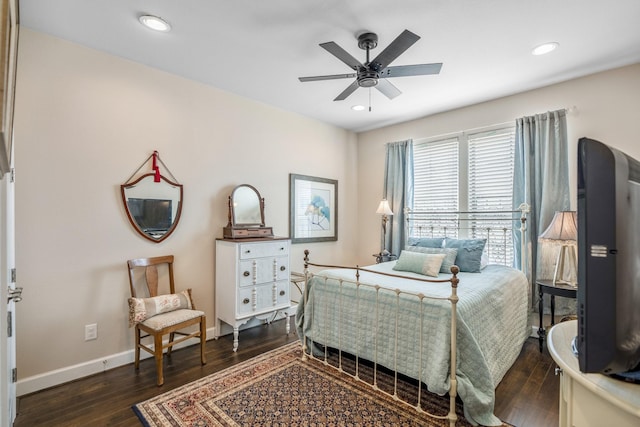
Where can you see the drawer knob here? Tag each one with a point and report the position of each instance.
(248, 251)
(245, 301)
(283, 268)
(246, 274)
(282, 293)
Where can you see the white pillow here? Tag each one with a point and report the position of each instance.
(484, 260)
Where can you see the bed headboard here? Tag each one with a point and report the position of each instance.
(498, 227)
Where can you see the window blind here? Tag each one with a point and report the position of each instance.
(468, 172)
(436, 182)
(436, 175)
(490, 188)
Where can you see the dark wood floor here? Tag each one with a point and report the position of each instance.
(526, 397)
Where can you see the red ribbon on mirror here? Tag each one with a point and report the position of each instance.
(156, 169)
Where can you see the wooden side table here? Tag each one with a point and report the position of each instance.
(548, 287)
(297, 279)
(385, 257)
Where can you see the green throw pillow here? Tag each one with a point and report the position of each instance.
(449, 259)
(420, 263)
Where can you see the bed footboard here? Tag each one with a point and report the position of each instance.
(383, 336)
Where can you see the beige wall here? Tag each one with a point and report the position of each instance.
(607, 108)
(85, 121)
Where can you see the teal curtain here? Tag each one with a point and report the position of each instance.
(541, 179)
(398, 190)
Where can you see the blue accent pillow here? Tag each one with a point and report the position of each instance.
(469, 258)
(426, 242)
(449, 259)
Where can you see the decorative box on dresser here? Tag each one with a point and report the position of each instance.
(590, 399)
(252, 281)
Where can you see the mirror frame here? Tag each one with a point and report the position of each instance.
(133, 222)
(232, 213)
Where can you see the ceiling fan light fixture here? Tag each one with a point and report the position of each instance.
(545, 48)
(154, 23)
(358, 107)
(367, 82)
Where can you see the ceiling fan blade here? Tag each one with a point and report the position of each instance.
(341, 54)
(411, 70)
(387, 88)
(329, 77)
(403, 42)
(348, 91)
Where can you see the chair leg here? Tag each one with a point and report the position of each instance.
(171, 336)
(137, 350)
(157, 349)
(203, 340)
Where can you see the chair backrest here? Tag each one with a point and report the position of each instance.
(150, 266)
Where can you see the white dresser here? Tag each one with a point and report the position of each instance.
(252, 280)
(590, 399)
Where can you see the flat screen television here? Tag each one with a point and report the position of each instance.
(151, 215)
(608, 339)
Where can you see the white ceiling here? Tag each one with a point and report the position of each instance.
(259, 48)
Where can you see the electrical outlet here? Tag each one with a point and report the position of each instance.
(91, 332)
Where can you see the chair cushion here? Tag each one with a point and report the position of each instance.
(172, 318)
(141, 309)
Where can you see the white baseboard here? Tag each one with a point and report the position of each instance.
(70, 373)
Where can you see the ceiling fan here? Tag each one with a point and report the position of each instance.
(375, 73)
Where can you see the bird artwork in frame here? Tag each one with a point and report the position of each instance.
(313, 204)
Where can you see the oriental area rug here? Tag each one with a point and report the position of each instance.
(278, 388)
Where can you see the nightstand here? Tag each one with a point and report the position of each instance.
(547, 287)
(297, 279)
(385, 257)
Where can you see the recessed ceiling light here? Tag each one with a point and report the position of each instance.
(544, 48)
(357, 107)
(154, 23)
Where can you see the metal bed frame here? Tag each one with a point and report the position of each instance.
(416, 221)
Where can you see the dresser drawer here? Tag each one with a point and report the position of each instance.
(263, 270)
(258, 250)
(264, 298)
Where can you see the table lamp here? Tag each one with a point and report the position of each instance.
(563, 230)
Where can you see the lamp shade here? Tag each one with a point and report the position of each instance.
(384, 208)
(562, 228)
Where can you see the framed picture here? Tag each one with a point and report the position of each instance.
(313, 209)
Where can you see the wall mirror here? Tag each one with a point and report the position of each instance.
(246, 214)
(153, 204)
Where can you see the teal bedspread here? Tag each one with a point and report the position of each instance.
(492, 327)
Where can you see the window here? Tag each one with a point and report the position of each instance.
(468, 172)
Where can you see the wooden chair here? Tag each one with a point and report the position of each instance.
(168, 322)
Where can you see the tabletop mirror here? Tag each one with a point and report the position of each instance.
(153, 205)
(246, 214)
